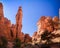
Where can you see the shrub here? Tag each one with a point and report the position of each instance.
(17, 43)
(3, 42)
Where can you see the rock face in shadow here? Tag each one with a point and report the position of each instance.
(27, 38)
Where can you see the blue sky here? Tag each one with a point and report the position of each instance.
(32, 11)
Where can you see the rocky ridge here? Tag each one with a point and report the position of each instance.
(50, 24)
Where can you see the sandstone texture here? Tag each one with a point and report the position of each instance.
(51, 25)
(9, 30)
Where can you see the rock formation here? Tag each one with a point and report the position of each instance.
(19, 33)
(11, 31)
(7, 27)
(51, 25)
(1, 20)
(27, 38)
(19, 19)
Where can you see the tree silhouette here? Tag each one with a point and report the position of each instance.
(3, 42)
(47, 36)
(17, 43)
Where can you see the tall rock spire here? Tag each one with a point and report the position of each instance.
(19, 15)
(19, 20)
(1, 9)
(1, 14)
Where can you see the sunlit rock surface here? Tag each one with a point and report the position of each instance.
(51, 25)
(9, 30)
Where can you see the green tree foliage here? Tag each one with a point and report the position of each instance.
(3, 42)
(47, 36)
(17, 43)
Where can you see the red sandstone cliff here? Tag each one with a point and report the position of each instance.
(12, 31)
